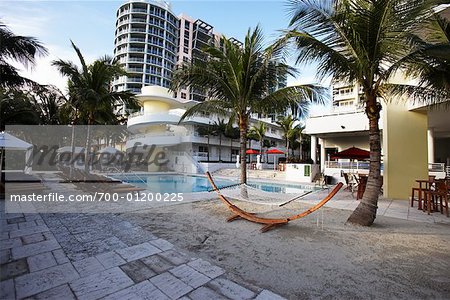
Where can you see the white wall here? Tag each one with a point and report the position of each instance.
(296, 172)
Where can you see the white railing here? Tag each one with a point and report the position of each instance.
(139, 10)
(447, 171)
(150, 134)
(137, 30)
(362, 165)
(135, 59)
(436, 167)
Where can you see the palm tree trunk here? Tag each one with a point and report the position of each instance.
(2, 173)
(287, 150)
(207, 153)
(72, 152)
(366, 211)
(220, 147)
(301, 150)
(243, 124)
(231, 150)
(87, 155)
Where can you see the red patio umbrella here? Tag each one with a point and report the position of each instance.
(274, 151)
(252, 151)
(352, 153)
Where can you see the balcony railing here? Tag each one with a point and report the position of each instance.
(436, 167)
(136, 59)
(137, 30)
(123, 22)
(140, 70)
(136, 80)
(136, 49)
(137, 40)
(352, 165)
(138, 20)
(139, 10)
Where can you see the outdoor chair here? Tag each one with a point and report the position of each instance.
(422, 193)
(439, 197)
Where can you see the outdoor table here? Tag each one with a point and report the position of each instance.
(424, 190)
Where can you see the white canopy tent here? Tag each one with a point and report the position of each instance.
(10, 142)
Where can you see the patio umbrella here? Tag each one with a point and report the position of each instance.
(352, 153)
(252, 151)
(274, 151)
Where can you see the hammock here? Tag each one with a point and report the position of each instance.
(258, 196)
(269, 223)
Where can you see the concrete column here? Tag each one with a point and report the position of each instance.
(322, 155)
(314, 148)
(430, 140)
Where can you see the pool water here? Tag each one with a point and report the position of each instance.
(176, 183)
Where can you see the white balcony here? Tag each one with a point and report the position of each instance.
(157, 140)
(338, 122)
(140, 120)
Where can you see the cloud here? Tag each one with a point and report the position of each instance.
(45, 73)
(25, 20)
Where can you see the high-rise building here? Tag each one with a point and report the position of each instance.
(150, 40)
(146, 41)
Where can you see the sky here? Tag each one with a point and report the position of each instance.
(91, 25)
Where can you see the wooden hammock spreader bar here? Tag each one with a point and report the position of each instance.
(269, 223)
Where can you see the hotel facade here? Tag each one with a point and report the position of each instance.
(415, 138)
(150, 40)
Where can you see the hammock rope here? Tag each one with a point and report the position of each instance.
(269, 223)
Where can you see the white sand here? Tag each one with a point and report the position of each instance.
(393, 259)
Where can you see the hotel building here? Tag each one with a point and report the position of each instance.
(150, 40)
(415, 138)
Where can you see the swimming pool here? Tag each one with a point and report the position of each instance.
(177, 183)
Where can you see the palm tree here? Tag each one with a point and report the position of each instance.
(258, 132)
(90, 93)
(358, 41)
(220, 128)
(287, 124)
(23, 49)
(429, 61)
(17, 107)
(239, 81)
(49, 100)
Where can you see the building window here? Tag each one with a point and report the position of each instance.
(183, 95)
(203, 149)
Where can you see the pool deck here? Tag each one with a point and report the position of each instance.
(103, 255)
(93, 256)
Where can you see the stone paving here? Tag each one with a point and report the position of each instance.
(102, 256)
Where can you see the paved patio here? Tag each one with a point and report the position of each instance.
(104, 256)
(93, 256)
